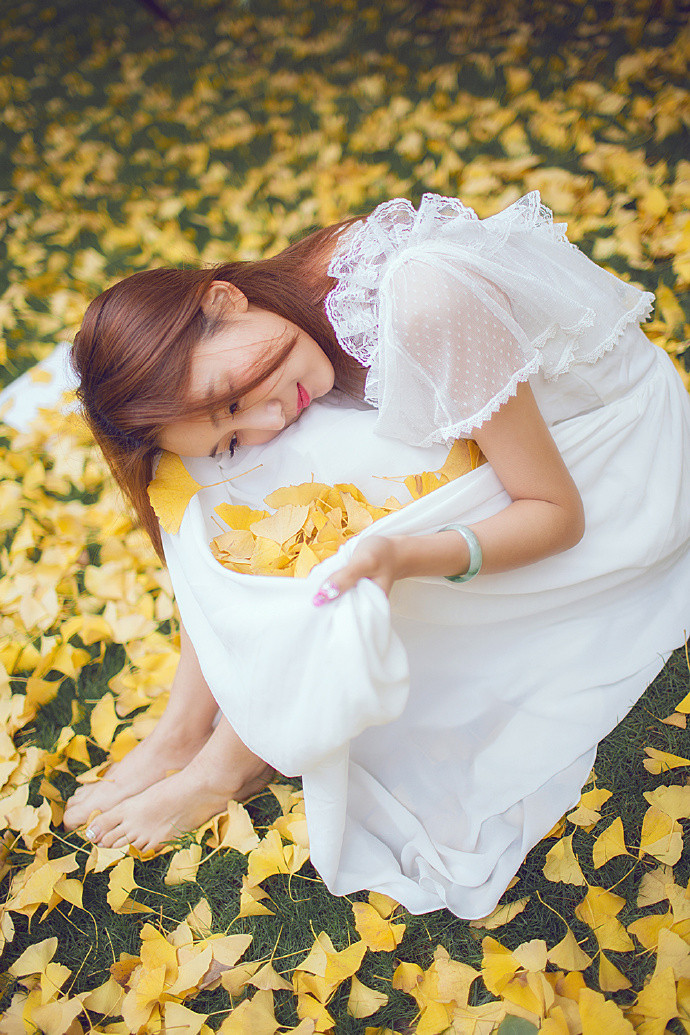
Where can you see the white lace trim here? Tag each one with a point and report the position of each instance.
(465, 427)
(640, 312)
(368, 246)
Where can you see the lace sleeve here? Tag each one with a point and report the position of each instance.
(450, 350)
(450, 312)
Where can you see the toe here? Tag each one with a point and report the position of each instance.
(116, 833)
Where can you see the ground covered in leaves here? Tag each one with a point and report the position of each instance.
(128, 143)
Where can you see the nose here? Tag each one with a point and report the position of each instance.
(265, 416)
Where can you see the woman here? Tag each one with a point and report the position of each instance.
(451, 733)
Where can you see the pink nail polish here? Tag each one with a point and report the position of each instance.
(329, 591)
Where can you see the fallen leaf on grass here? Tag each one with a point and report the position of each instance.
(501, 915)
(183, 866)
(662, 836)
(561, 865)
(379, 934)
(363, 1001)
(601, 1015)
(120, 884)
(568, 954)
(609, 844)
(599, 909)
(610, 977)
(661, 761)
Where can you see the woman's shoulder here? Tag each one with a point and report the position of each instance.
(396, 226)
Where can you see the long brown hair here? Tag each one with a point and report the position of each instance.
(133, 351)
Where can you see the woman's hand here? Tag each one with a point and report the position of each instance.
(375, 558)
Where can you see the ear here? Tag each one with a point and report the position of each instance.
(223, 299)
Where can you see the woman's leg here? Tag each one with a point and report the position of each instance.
(182, 731)
(223, 769)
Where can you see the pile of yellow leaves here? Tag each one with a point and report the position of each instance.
(309, 523)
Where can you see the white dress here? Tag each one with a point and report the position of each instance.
(441, 735)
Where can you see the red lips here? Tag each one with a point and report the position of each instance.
(303, 399)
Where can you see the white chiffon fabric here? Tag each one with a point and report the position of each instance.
(441, 734)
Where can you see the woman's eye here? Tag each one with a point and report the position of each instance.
(232, 445)
(232, 408)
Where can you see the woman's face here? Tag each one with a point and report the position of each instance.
(230, 359)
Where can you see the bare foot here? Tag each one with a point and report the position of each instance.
(168, 748)
(174, 805)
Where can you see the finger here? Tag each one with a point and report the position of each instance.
(334, 587)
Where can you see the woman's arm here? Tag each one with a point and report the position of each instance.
(545, 517)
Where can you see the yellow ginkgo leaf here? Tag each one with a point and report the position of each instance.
(343, 964)
(598, 910)
(251, 901)
(302, 495)
(35, 958)
(268, 978)
(654, 886)
(237, 978)
(648, 928)
(171, 490)
(184, 865)
(57, 1016)
(501, 915)
(281, 526)
(104, 721)
(662, 836)
(363, 1001)
(120, 883)
(674, 952)
(253, 1015)
(180, 1018)
(379, 935)
(237, 544)
(673, 800)
(568, 954)
(684, 705)
(556, 1023)
(306, 560)
(231, 829)
(499, 966)
(609, 844)
(561, 865)
(310, 1008)
(383, 904)
(661, 761)
(460, 459)
(656, 1003)
(601, 1015)
(610, 977)
(239, 517)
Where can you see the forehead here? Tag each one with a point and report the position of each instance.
(234, 356)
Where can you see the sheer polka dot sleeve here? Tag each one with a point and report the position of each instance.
(455, 351)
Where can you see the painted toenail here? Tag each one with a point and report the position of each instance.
(89, 834)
